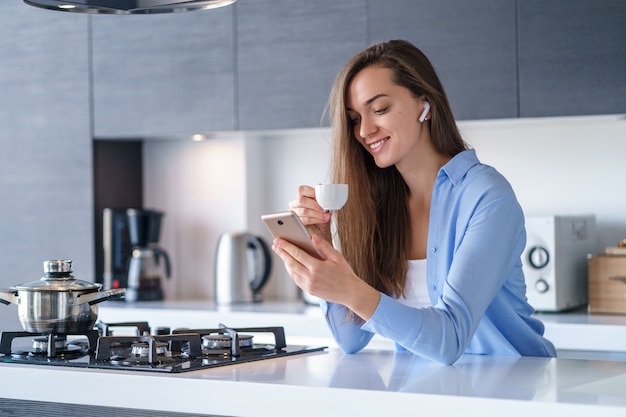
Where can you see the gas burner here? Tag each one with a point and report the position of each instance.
(224, 341)
(40, 344)
(141, 349)
(62, 348)
(73, 350)
(233, 337)
(140, 356)
(148, 349)
(50, 345)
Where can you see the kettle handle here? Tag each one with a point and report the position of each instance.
(262, 275)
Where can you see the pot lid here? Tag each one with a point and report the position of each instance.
(58, 277)
(128, 6)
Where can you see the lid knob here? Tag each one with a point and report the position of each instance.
(57, 266)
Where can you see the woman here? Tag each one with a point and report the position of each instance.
(425, 221)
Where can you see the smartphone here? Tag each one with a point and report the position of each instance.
(287, 225)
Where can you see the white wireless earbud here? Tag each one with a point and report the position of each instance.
(425, 112)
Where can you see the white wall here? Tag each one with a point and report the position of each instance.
(556, 166)
(289, 159)
(568, 165)
(222, 185)
(201, 187)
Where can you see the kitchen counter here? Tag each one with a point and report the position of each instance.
(328, 383)
(376, 381)
(578, 330)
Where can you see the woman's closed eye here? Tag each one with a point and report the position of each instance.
(354, 120)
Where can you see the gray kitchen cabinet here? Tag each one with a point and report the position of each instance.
(471, 45)
(46, 201)
(288, 53)
(163, 74)
(269, 64)
(572, 57)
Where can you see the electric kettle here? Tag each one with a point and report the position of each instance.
(243, 264)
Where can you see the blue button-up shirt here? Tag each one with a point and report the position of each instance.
(475, 281)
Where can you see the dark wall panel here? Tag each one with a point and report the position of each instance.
(163, 74)
(118, 183)
(471, 45)
(288, 55)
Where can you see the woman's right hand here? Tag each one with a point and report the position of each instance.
(311, 214)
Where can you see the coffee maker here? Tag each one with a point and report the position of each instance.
(130, 238)
(148, 262)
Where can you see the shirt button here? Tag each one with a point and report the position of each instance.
(433, 287)
(433, 249)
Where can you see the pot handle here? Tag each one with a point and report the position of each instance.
(8, 296)
(99, 296)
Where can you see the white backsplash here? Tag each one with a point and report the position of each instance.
(568, 165)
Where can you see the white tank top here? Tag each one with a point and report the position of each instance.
(415, 289)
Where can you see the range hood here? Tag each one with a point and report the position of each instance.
(128, 6)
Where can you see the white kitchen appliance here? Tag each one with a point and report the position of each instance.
(555, 260)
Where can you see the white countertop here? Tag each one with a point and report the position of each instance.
(579, 330)
(328, 383)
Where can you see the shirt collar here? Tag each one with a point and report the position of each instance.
(457, 167)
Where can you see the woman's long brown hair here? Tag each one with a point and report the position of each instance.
(373, 228)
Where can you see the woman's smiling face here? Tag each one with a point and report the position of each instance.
(384, 115)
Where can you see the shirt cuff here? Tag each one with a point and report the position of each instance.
(395, 321)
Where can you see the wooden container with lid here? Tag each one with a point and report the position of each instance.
(607, 281)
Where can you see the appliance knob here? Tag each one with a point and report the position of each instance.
(538, 257)
(541, 286)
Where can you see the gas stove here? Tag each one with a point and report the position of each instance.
(162, 350)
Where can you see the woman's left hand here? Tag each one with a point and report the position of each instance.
(331, 278)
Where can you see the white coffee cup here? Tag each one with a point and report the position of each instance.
(331, 196)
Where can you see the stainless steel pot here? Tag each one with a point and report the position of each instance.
(58, 303)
